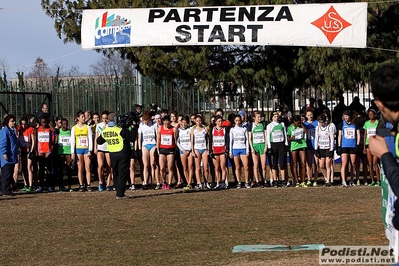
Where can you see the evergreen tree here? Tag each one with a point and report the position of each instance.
(225, 68)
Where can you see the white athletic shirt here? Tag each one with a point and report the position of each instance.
(147, 133)
(239, 138)
(184, 138)
(324, 137)
(99, 128)
(200, 139)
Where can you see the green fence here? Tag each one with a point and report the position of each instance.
(66, 96)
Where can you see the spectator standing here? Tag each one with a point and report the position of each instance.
(9, 151)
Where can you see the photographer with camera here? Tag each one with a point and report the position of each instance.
(118, 138)
(385, 87)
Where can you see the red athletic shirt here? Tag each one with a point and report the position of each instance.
(218, 140)
(167, 138)
(24, 137)
(43, 140)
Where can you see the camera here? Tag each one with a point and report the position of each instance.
(125, 121)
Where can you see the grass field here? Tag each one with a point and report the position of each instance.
(175, 228)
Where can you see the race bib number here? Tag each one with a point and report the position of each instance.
(65, 141)
(349, 133)
(259, 137)
(184, 138)
(218, 141)
(298, 133)
(166, 140)
(24, 141)
(149, 136)
(200, 142)
(371, 132)
(43, 136)
(239, 139)
(278, 136)
(311, 133)
(324, 142)
(83, 141)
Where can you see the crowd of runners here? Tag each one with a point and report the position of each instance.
(243, 149)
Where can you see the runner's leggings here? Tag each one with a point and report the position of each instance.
(278, 153)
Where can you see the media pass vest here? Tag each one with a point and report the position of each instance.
(113, 138)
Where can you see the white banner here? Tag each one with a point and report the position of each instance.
(331, 25)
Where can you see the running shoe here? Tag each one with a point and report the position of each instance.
(144, 187)
(239, 185)
(29, 189)
(188, 187)
(89, 188)
(315, 184)
(108, 188)
(24, 189)
(158, 186)
(132, 187)
(167, 187)
(70, 189)
(259, 185)
(372, 184)
(247, 185)
(81, 188)
(208, 186)
(217, 186)
(39, 190)
(377, 184)
(358, 183)
(50, 189)
(178, 185)
(198, 187)
(227, 183)
(164, 186)
(344, 184)
(297, 185)
(100, 187)
(351, 184)
(303, 184)
(366, 183)
(328, 184)
(308, 183)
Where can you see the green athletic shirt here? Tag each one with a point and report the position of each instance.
(298, 133)
(64, 142)
(370, 129)
(277, 134)
(258, 134)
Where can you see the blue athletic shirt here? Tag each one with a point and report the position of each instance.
(311, 127)
(349, 135)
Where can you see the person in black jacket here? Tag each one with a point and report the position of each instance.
(385, 87)
(118, 138)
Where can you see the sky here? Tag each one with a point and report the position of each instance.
(28, 33)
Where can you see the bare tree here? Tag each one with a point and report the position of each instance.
(40, 72)
(58, 70)
(74, 71)
(112, 66)
(4, 67)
